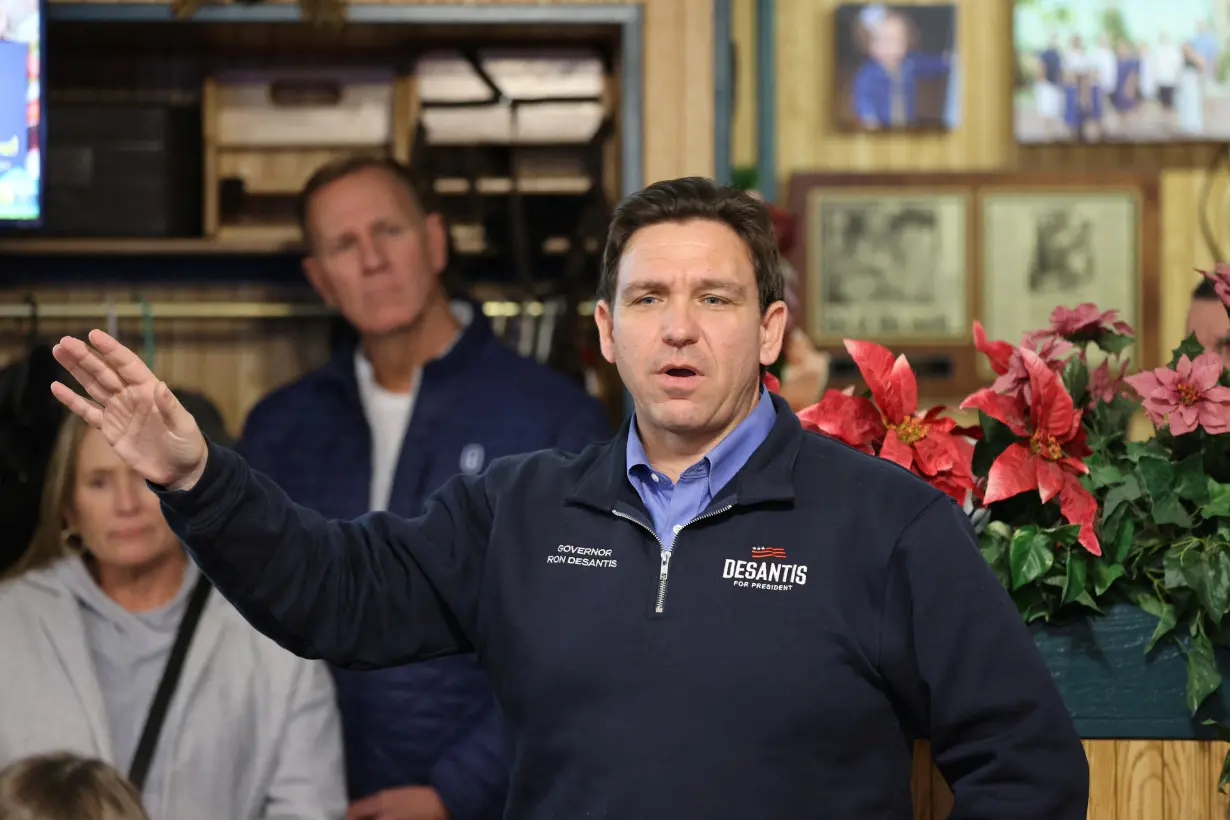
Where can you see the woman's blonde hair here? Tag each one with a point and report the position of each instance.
(64, 786)
(51, 540)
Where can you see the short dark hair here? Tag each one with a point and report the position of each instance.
(1206, 290)
(691, 198)
(423, 193)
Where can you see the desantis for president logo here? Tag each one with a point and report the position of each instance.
(767, 570)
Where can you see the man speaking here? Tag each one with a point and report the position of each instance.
(716, 615)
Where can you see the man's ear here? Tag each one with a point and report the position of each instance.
(605, 320)
(319, 280)
(772, 332)
(436, 236)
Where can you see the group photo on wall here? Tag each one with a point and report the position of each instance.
(1127, 71)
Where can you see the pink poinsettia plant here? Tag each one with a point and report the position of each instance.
(1073, 514)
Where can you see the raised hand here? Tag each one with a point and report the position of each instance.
(137, 414)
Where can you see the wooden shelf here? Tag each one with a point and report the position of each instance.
(141, 246)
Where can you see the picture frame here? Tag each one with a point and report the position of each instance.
(942, 362)
(889, 263)
(1128, 72)
(895, 68)
(948, 369)
(1046, 245)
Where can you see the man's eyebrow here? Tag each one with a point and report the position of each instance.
(703, 284)
(642, 285)
(720, 284)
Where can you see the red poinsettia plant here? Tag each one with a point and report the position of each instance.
(1073, 514)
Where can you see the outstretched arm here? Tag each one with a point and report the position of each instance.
(379, 591)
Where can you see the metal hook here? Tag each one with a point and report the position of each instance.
(147, 331)
(32, 336)
(113, 319)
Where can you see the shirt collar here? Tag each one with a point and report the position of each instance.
(727, 456)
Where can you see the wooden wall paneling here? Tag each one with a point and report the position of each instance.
(664, 100)
(234, 362)
(406, 107)
(698, 82)
(743, 130)
(679, 101)
(211, 170)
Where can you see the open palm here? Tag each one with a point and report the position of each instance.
(136, 412)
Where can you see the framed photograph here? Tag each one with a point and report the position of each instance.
(896, 68)
(865, 262)
(1136, 71)
(890, 258)
(1043, 249)
(888, 264)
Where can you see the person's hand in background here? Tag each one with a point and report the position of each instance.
(136, 412)
(806, 373)
(405, 803)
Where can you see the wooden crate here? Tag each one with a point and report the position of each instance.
(271, 130)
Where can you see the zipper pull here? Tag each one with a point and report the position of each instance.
(663, 575)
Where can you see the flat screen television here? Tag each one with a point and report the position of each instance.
(23, 35)
(1125, 71)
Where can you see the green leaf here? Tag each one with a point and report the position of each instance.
(1165, 613)
(1188, 347)
(1056, 579)
(1115, 342)
(1084, 600)
(1031, 603)
(1031, 555)
(994, 548)
(1065, 535)
(996, 436)
(1169, 510)
(1124, 493)
(1076, 378)
(1158, 476)
(1207, 574)
(1075, 576)
(1203, 679)
(1123, 544)
(1218, 505)
(1104, 575)
(1106, 475)
(1191, 484)
(1220, 730)
(1136, 450)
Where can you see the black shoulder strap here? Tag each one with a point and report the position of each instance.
(139, 769)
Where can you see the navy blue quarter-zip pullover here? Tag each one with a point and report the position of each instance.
(828, 609)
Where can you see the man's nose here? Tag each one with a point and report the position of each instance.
(679, 325)
(371, 255)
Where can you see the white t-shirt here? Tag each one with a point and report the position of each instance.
(388, 416)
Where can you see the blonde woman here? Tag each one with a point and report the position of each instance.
(89, 618)
(65, 786)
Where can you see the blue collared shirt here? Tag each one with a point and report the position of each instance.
(672, 505)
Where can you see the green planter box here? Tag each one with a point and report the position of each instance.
(1113, 690)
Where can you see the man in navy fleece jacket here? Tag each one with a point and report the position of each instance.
(717, 615)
